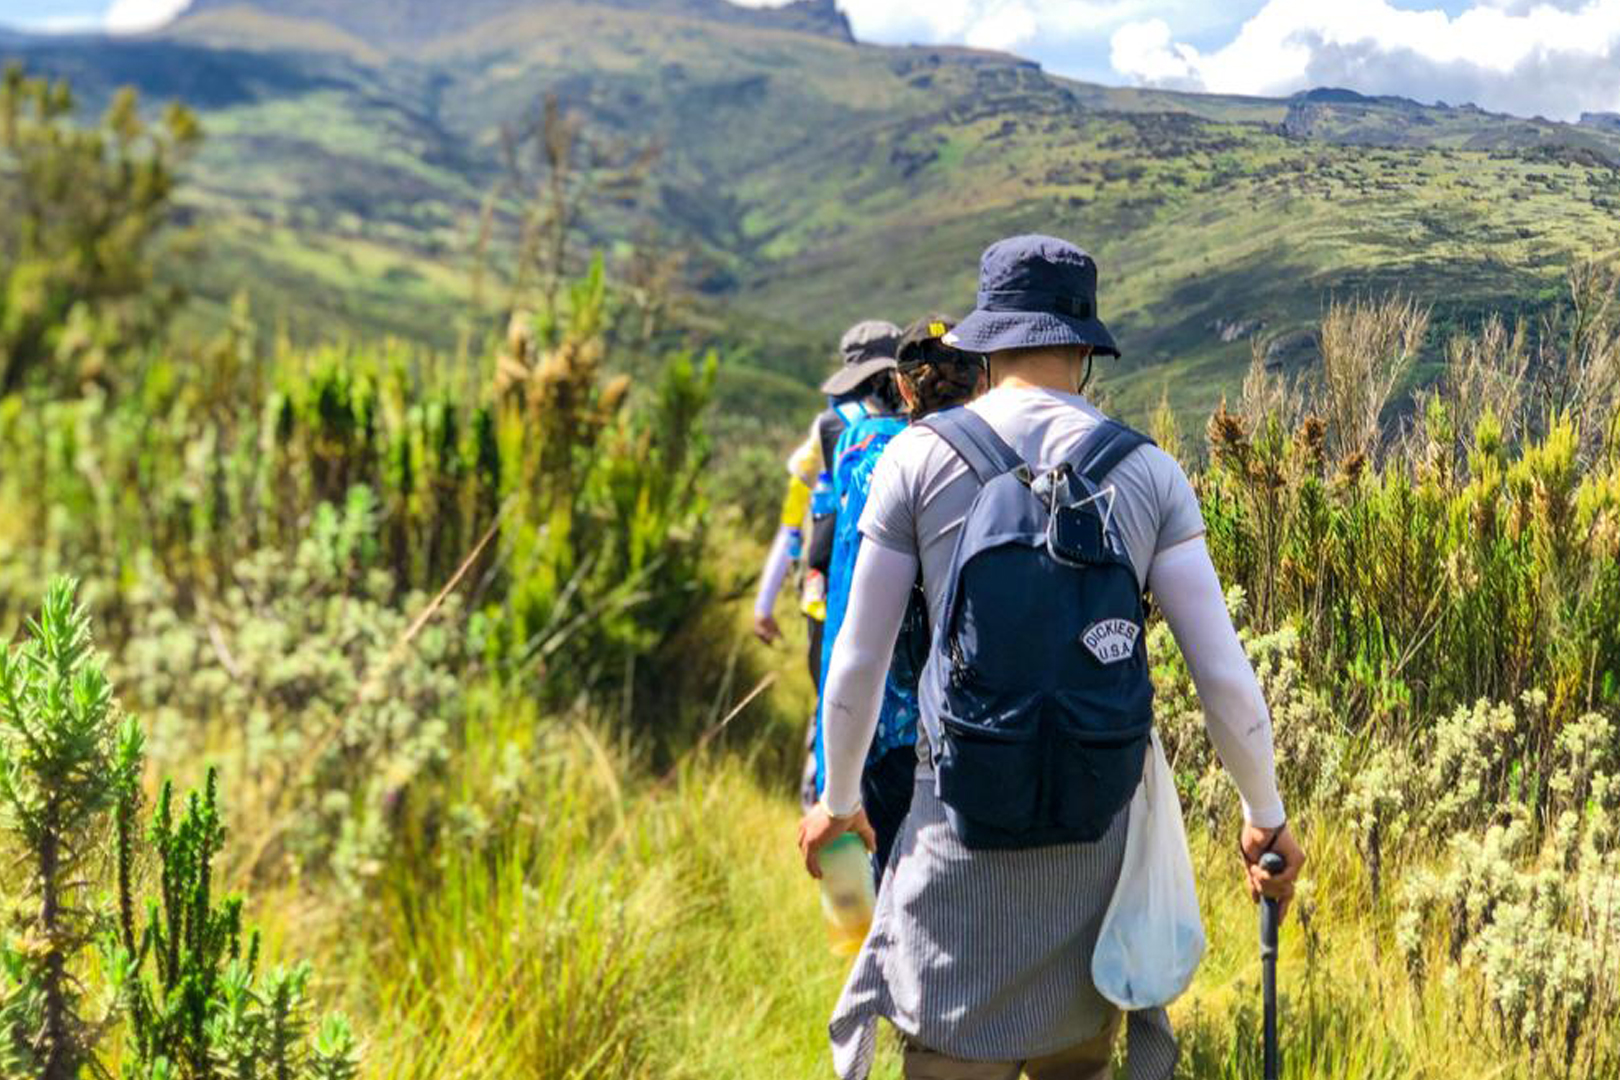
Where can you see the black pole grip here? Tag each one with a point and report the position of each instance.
(1271, 863)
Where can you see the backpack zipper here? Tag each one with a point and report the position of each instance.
(960, 669)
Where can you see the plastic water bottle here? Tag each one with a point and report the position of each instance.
(847, 893)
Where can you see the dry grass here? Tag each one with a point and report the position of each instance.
(1367, 348)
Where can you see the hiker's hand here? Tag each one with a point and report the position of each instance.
(819, 828)
(1280, 886)
(766, 630)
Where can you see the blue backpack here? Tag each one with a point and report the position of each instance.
(1037, 699)
(857, 454)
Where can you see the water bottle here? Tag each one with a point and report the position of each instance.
(847, 893)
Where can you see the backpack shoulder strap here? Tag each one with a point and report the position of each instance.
(828, 427)
(1108, 444)
(974, 441)
(851, 412)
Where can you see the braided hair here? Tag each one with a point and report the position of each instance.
(938, 376)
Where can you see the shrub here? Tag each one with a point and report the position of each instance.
(1449, 572)
(345, 710)
(85, 206)
(198, 1006)
(65, 760)
(568, 504)
(1310, 745)
(189, 994)
(1529, 903)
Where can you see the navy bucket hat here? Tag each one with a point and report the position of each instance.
(1034, 292)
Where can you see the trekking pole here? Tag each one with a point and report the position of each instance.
(1270, 909)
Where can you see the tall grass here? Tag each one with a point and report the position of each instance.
(1433, 610)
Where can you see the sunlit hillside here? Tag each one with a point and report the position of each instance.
(802, 180)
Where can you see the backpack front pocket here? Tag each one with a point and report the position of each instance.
(1098, 747)
(1092, 776)
(985, 774)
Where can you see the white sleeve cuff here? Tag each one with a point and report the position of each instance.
(1269, 816)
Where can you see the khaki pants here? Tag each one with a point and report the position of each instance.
(1091, 1060)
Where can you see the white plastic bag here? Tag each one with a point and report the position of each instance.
(1152, 936)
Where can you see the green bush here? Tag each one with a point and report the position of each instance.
(189, 996)
(65, 761)
(85, 207)
(567, 505)
(1432, 613)
(343, 717)
(196, 1003)
(1451, 571)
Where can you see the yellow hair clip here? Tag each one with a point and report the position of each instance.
(936, 329)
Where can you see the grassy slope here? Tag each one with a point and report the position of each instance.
(1195, 221)
(682, 941)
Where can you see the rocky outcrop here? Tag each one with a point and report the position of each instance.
(1230, 330)
(1301, 120)
(1603, 121)
(1293, 352)
(815, 16)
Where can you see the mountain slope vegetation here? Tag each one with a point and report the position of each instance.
(805, 179)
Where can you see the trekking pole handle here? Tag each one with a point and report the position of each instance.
(1270, 910)
(1271, 863)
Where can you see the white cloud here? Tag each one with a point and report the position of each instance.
(1555, 59)
(1145, 50)
(63, 24)
(136, 16)
(991, 24)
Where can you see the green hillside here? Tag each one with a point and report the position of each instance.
(808, 180)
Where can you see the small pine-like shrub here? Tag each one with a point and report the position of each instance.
(186, 989)
(65, 760)
(196, 1001)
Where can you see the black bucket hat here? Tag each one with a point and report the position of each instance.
(866, 349)
(924, 341)
(1034, 292)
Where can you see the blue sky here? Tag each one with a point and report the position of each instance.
(23, 12)
(1556, 58)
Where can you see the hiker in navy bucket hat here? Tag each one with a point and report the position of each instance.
(1012, 935)
(1034, 292)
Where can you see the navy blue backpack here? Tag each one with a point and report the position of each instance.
(1036, 698)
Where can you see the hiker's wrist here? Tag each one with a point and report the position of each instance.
(1265, 816)
(836, 816)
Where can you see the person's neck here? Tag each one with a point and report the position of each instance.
(1042, 371)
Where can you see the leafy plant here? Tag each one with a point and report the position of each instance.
(84, 206)
(192, 1002)
(198, 1006)
(1459, 565)
(341, 729)
(64, 761)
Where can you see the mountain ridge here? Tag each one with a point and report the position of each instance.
(413, 22)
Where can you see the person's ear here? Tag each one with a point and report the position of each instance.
(1079, 369)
